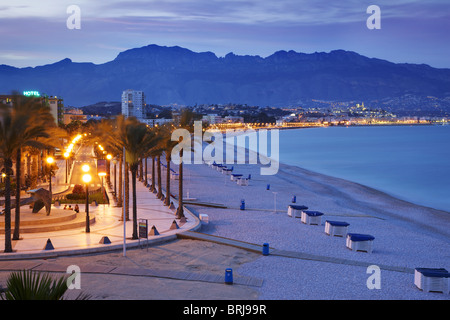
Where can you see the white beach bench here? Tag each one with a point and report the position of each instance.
(360, 242)
(431, 279)
(336, 228)
(295, 211)
(242, 182)
(235, 177)
(311, 217)
(227, 171)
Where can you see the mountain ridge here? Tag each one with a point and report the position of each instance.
(178, 75)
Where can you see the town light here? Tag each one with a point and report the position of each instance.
(87, 178)
(85, 168)
(50, 160)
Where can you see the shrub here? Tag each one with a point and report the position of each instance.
(32, 285)
(78, 189)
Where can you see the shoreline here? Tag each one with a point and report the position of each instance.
(391, 194)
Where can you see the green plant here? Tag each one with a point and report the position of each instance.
(32, 285)
(78, 189)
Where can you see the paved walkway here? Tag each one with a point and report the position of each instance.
(108, 223)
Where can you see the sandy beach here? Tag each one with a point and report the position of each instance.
(407, 236)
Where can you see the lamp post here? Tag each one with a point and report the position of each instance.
(66, 155)
(115, 175)
(108, 167)
(86, 179)
(50, 161)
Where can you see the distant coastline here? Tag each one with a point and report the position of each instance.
(396, 195)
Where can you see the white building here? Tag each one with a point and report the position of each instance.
(133, 103)
(212, 118)
(156, 122)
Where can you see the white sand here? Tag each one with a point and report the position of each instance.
(406, 235)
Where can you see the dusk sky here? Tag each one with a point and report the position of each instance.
(35, 32)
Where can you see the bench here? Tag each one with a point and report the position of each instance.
(432, 279)
(360, 242)
(235, 177)
(312, 217)
(242, 182)
(336, 228)
(295, 211)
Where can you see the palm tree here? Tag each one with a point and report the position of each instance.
(167, 145)
(137, 140)
(186, 121)
(32, 285)
(17, 129)
(108, 132)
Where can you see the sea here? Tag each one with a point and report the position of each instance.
(408, 162)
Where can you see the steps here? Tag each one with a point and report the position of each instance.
(58, 219)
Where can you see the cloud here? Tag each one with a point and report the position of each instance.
(242, 26)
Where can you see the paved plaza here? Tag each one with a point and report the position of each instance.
(106, 221)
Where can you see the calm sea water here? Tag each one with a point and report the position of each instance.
(408, 162)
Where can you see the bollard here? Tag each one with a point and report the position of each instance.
(265, 250)
(242, 204)
(294, 199)
(268, 187)
(49, 245)
(228, 276)
(105, 240)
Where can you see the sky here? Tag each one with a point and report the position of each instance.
(36, 33)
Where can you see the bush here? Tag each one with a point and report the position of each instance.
(78, 189)
(75, 196)
(31, 285)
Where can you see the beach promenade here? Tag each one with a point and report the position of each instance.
(303, 263)
(106, 221)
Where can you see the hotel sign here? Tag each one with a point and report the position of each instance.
(31, 93)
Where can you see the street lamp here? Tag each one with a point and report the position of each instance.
(85, 168)
(115, 176)
(50, 161)
(86, 179)
(67, 155)
(108, 167)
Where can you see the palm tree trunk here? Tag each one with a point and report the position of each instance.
(167, 199)
(180, 210)
(153, 174)
(120, 200)
(145, 173)
(17, 213)
(8, 244)
(133, 185)
(159, 194)
(127, 193)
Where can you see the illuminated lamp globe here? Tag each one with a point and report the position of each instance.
(87, 178)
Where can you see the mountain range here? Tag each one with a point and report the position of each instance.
(170, 75)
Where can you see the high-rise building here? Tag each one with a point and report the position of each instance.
(133, 104)
(56, 108)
